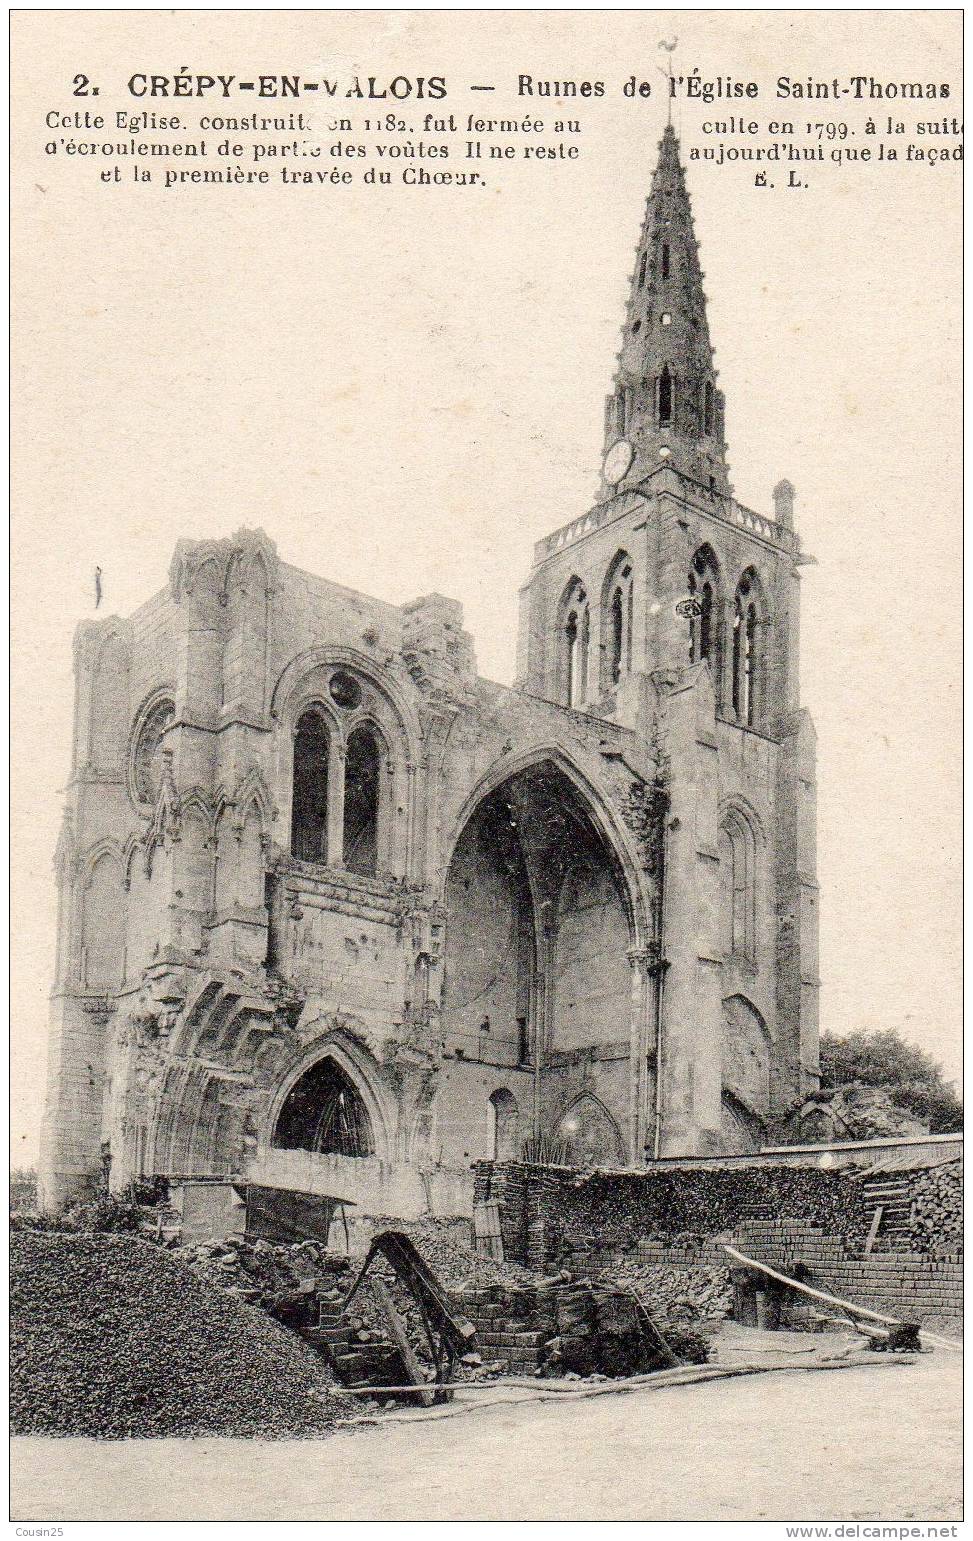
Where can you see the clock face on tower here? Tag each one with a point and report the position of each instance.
(617, 461)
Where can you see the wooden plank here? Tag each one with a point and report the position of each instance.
(486, 1219)
(834, 1300)
(411, 1365)
(488, 1238)
(873, 1228)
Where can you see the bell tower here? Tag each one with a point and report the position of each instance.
(672, 609)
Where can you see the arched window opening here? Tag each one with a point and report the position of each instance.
(750, 664)
(706, 621)
(325, 1113)
(665, 260)
(503, 1126)
(571, 654)
(618, 612)
(642, 267)
(666, 394)
(738, 859)
(617, 622)
(577, 639)
(693, 588)
(309, 817)
(704, 640)
(708, 407)
(746, 662)
(362, 789)
(737, 654)
(590, 1135)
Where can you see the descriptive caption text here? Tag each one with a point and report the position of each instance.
(379, 130)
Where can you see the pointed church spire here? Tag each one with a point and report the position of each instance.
(665, 403)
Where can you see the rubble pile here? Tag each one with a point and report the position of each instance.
(581, 1329)
(279, 1277)
(690, 1294)
(112, 1338)
(935, 1223)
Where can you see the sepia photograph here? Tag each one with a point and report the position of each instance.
(486, 767)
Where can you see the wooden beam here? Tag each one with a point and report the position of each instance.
(410, 1363)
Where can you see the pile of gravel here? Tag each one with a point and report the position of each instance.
(111, 1337)
(447, 1247)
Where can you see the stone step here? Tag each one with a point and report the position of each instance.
(328, 1337)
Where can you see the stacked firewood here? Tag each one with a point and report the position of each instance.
(936, 1218)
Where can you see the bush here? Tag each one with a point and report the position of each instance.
(912, 1077)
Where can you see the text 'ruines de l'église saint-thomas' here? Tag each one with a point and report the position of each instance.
(692, 85)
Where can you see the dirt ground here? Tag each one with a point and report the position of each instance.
(870, 1443)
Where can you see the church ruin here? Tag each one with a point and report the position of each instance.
(336, 914)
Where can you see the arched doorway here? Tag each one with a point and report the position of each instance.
(503, 1127)
(324, 1112)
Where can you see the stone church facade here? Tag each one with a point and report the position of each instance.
(338, 914)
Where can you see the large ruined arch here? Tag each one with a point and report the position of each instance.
(539, 885)
(618, 841)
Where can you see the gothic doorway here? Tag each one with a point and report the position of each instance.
(325, 1113)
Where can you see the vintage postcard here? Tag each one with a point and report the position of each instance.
(486, 562)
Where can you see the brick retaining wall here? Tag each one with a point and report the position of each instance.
(554, 1218)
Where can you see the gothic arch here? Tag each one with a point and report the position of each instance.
(573, 644)
(740, 846)
(749, 652)
(305, 664)
(617, 620)
(591, 1136)
(310, 681)
(195, 801)
(366, 821)
(705, 585)
(626, 865)
(504, 1135)
(246, 667)
(102, 918)
(746, 1055)
(109, 700)
(251, 792)
(360, 1069)
(132, 847)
